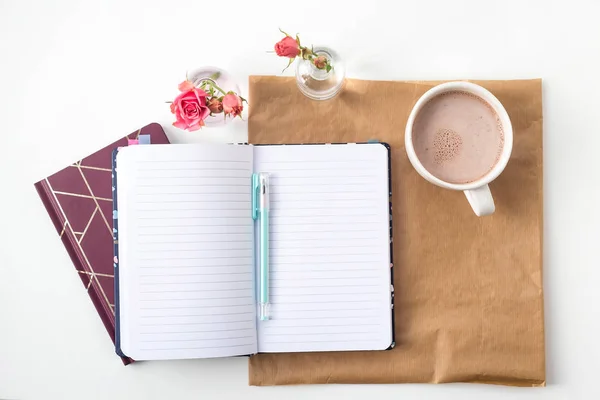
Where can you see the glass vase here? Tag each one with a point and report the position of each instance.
(221, 79)
(318, 84)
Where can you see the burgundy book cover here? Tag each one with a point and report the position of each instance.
(78, 199)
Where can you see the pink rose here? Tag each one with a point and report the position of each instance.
(190, 107)
(232, 105)
(287, 47)
(185, 86)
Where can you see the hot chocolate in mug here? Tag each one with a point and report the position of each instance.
(459, 136)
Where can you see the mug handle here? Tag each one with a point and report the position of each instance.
(481, 200)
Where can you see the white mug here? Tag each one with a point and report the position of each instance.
(477, 192)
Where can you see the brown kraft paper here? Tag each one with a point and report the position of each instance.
(468, 290)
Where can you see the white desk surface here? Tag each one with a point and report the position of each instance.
(75, 75)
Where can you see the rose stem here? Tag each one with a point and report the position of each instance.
(218, 88)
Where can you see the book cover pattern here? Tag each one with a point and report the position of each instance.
(79, 201)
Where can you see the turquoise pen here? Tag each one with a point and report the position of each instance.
(263, 216)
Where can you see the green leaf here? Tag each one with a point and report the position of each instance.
(328, 67)
(215, 76)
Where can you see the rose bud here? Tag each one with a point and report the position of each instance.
(232, 105)
(215, 106)
(287, 47)
(320, 62)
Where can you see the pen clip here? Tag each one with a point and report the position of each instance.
(255, 189)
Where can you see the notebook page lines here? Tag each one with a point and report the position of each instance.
(329, 248)
(190, 240)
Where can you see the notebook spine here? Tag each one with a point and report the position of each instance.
(116, 255)
(391, 223)
(69, 241)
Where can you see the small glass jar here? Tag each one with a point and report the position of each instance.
(318, 84)
(223, 80)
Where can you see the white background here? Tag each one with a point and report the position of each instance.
(76, 75)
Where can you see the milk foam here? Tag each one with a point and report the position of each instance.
(458, 137)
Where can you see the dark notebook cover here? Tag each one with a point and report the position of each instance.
(79, 201)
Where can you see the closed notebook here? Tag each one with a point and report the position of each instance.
(187, 243)
(78, 199)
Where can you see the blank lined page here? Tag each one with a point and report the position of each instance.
(330, 287)
(185, 251)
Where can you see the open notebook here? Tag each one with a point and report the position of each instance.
(186, 275)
